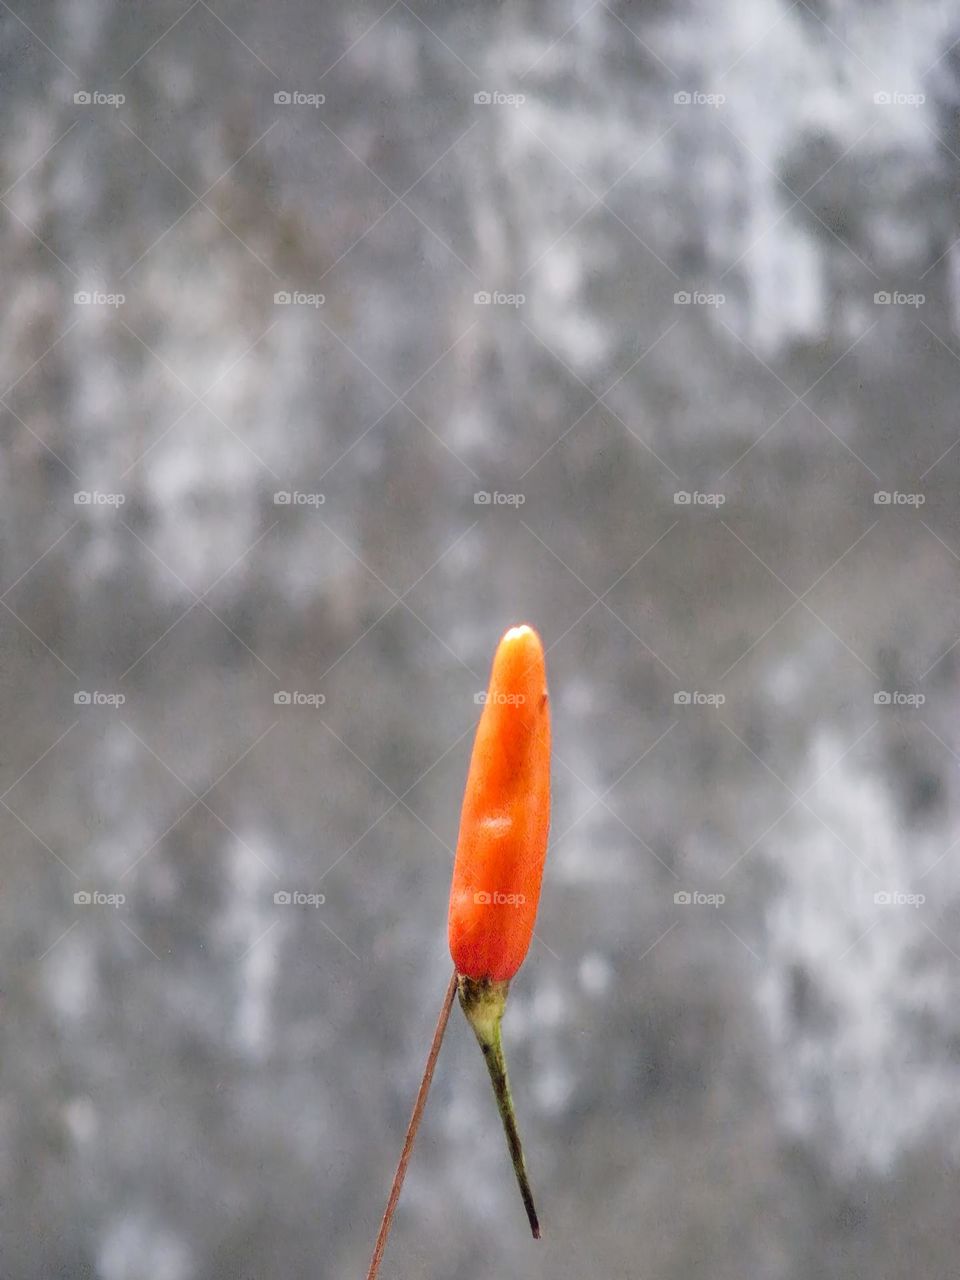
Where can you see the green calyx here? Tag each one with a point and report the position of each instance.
(483, 1001)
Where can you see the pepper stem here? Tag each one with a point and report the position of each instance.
(483, 1001)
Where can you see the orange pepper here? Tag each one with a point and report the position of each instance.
(500, 855)
(505, 817)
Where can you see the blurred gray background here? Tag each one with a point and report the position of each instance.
(720, 244)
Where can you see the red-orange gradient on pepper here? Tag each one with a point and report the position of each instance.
(505, 818)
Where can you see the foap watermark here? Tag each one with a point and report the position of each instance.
(696, 98)
(683, 698)
(496, 298)
(97, 98)
(295, 98)
(294, 498)
(297, 898)
(295, 298)
(485, 898)
(95, 298)
(886, 298)
(895, 698)
(696, 298)
(894, 98)
(98, 698)
(694, 898)
(494, 98)
(886, 498)
(94, 498)
(94, 898)
(483, 498)
(894, 898)
(294, 698)
(500, 699)
(683, 498)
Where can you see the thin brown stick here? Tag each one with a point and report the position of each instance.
(412, 1128)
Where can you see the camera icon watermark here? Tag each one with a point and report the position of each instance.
(894, 98)
(684, 498)
(97, 698)
(497, 298)
(886, 298)
(94, 498)
(894, 498)
(294, 698)
(494, 98)
(294, 498)
(895, 698)
(296, 298)
(894, 898)
(94, 898)
(484, 498)
(696, 298)
(294, 98)
(96, 298)
(96, 98)
(695, 98)
(694, 898)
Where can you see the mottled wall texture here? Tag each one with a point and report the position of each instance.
(336, 338)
